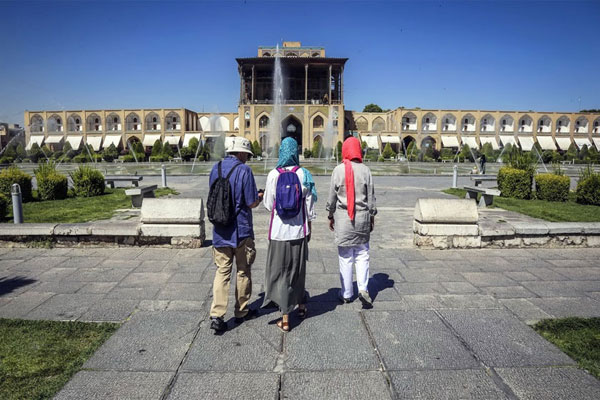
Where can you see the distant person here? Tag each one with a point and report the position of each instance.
(482, 162)
(290, 196)
(352, 210)
(231, 197)
(325, 99)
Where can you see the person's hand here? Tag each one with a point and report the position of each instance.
(308, 238)
(331, 224)
(372, 223)
(261, 195)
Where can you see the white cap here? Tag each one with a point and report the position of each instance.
(238, 145)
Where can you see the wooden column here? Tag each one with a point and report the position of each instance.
(305, 83)
(329, 85)
(253, 84)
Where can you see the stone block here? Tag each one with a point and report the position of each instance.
(536, 241)
(449, 211)
(496, 230)
(170, 230)
(445, 229)
(570, 240)
(172, 211)
(84, 229)
(593, 241)
(466, 242)
(590, 228)
(562, 228)
(11, 230)
(115, 228)
(530, 228)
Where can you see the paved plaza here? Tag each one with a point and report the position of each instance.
(445, 324)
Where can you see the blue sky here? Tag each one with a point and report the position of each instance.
(439, 54)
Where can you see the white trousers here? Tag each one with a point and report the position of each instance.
(356, 255)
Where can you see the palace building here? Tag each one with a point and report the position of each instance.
(313, 99)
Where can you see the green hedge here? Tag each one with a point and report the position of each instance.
(159, 158)
(552, 187)
(3, 206)
(588, 190)
(514, 183)
(51, 184)
(87, 182)
(12, 175)
(127, 158)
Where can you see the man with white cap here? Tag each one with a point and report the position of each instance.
(234, 239)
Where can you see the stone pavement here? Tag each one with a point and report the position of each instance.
(445, 324)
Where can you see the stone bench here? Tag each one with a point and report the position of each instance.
(482, 178)
(181, 220)
(134, 179)
(487, 195)
(139, 193)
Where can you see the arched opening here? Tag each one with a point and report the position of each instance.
(94, 123)
(525, 124)
(113, 122)
(378, 124)
(596, 126)
(36, 124)
(263, 122)
(132, 122)
(507, 124)
(544, 125)
(152, 122)
(361, 124)
(488, 123)
(292, 127)
(318, 123)
(563, 125)
(173, 121)
(581, 125)
(429, 122)
(468, 123)
(449, 123)
(74, 123)
(409, 122)
(54, 124)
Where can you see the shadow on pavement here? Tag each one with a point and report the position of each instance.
(9, 285)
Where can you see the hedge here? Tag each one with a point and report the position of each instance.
(514, 183)
(552, 187)
(588, 190)
(3, 206)
(51, 184)
(12, 175)
(87, 182)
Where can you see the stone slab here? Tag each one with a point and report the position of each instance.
(569, 306)
(445, 229)
(417, 340)
(149, 341)
(488, 279)
(323, 342)
(334, 385)
(551, 383)
(42, 229)
(252, 346)
(65, 307)
(591, 228)
(20, 306)
(562, 228)
(530, 228)
(172, 211)
(562, 288)
(525, 310)
(81, 229)
(171, 230)
(184, 291)
(445, 385)
(501, 340)
(508, 292)
(449, 211)
(115, 385)
(115, 228)
(110, 310)
(226, 386)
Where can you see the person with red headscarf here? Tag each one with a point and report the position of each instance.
(352, 210)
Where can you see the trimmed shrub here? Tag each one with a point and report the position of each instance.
(388, 152)
(110, 153)
(157, 148)
(186, 153)
(159, 158)
(552, 187)
(87, 182)
(307, 153)
(514, 182)
(12, 175)
(51, 184)
(167, 151)
(3, 206)
(381, 158)
(127, 158)
(80, 158)
(7, 160)
(588, 187)
(193, 144)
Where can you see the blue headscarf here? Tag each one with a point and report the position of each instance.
(288, 156)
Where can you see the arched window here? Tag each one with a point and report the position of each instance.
(94, 123)
(173, 121)
(362, 124)
(37, 124)
(113, 122)
(74, 123)
(132, 122)
(378, 125)
(263, 122)
(318, 122)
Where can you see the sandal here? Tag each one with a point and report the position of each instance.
(283, 326)
(302, 312)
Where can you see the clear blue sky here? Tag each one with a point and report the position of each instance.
(469, 55)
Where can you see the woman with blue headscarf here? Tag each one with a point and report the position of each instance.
(290, 196)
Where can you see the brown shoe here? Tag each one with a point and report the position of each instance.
(283, 326)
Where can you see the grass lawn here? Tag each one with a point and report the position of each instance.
(553, 211)
(37, 358)
(80, 209)
(578, 337)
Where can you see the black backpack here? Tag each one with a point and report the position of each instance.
(220, 205)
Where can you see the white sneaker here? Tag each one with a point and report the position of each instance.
(365, 299)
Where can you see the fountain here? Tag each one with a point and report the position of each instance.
(540, 158)
(132, 151)
(11, 140)
(274, 135)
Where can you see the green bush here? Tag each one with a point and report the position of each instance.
(80, 158)
(552, 187)
(7, 160)
(193, 145)
(157, 148)
(307, 153)
(514, 182)
(12, 175)
(381, 158)
(200, 157)
(588, 187)
(127, 158)
(110, 153)
(186, 153)
(388, 152)
(159, 158)
(167, 152)
(51, 184)
(87, 182)
(3, 206)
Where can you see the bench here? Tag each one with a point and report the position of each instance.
(482, 178)
(139, 193)
(134, 179)
(487, 195)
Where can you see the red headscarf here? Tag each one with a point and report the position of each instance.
(351, 151)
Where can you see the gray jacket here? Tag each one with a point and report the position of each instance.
(350, 233)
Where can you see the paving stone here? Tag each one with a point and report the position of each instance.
(187, 277)
(97, 287)
(126, 264)
(422, 302)
(420, 264)
(63, 287)
(594, 295)
(153, 305)
(99, 274)
(406, 288)
(525, 310)
(117, 253)
(521, 276)
(15, 284)
(459, 287)
(110, 310)
(580, 274)
(115, 385)
(21, 305)
(551, 383)
(488, 279)
(323, 341)
(65, 307)
(149, 341)
(572, 263)
(445, 255)
(562, 288)
(157, 254)
(226, 386)
(546, 274)
(334, 385)
(527, 262)
(38, 265)
(185, 305)
(432, 275)
(323, 281)
(145, 279)
(417, 340)
(151, 266)
(251, 346)
(508, 292)
(445, 384)
(184, 291)
(464, 301)
(569, 306)
(133, 293)
(56, 274)
(501, 340)
(76, 262)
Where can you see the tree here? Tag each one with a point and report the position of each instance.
(167, 150)
(21, 153)
(110, 153)
(186, 153)
(584, 153)
(46, 150)
(593, 154)
(488, 150)
(372, 108)
(465, 153)
(317, 149)
(256, 149)
(571, 152)
(388, 152)
(411, 150)
(193, 145)
(35, 153)
(157, 148)
(68, 150)
(138, 148)
(10, 152)
(219, 148)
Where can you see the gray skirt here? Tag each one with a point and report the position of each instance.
(285, 274)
